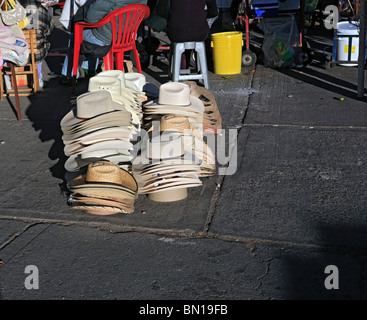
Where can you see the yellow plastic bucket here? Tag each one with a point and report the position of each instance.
(227, 52)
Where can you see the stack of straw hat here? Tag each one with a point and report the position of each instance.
(103, 190)
(166, 167)
(193, 140)
(212, 120)
(175, 98)
(124, 88)
(97, 128)
(110, 139)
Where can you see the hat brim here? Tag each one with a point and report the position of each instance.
(105, 133)
(170, 185)
(196, 105)
(122, 146)
(71, 118)
(124, 118)
(99, 210)
(90, 201)
(83, 133)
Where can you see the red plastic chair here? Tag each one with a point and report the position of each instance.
(122, 40)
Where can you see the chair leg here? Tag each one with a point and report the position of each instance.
(119, 59)
(137, 60)
(15, 86)
(108, 61)
(202, 63)
(178, 49)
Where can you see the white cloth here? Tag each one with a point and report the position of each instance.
(65, 14)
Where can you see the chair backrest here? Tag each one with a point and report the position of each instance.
(125, 23)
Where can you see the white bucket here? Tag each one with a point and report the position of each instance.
(350, 29)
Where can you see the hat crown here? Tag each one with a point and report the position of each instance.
(109, 172)
(174, 93)
(110, 84)
(174, 123)
(117, 74)
(91, 104)
(166, 146)
(136, 79)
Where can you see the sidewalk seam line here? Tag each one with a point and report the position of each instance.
(309, 127)
(190, 234)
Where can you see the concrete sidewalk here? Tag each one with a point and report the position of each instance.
(294, 206)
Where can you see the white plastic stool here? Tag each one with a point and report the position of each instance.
(202, 67)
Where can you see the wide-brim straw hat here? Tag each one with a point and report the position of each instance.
(123, 146)
(135, 81)
(175, 96)
(151, 173)
(99, 135)
(166, 149)
(114, 82)
(101, 206)
(72, 136)
(169, 184)
(212, 120)
(77, 148)
(76, 162)
(92, 107)
(195, 141)
(107, 179)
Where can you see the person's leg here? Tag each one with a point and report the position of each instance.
(67, 68)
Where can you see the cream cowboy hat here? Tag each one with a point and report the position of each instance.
(124, 147)
(110, 144)
(91, 108)
(192, 140)
(70, 136)
(175, 97)
(135, 81)
(167, 150)
(78, 161)
(114, 82)
(115, 85)
(99, 135)
(212, 120)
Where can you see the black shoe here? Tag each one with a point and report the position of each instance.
(65, 81)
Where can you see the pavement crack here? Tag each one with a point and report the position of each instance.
(16, 235)
(260, 278)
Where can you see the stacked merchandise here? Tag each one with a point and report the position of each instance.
(126, 90)
(112, 141)
(166, 168)
(97, 128)
(212, 120)
(104, 189)
(98, 135)
(175, 98)
(177, 157)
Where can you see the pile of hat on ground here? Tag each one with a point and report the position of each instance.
(104, 131)
(99, 135)
(174, 155)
